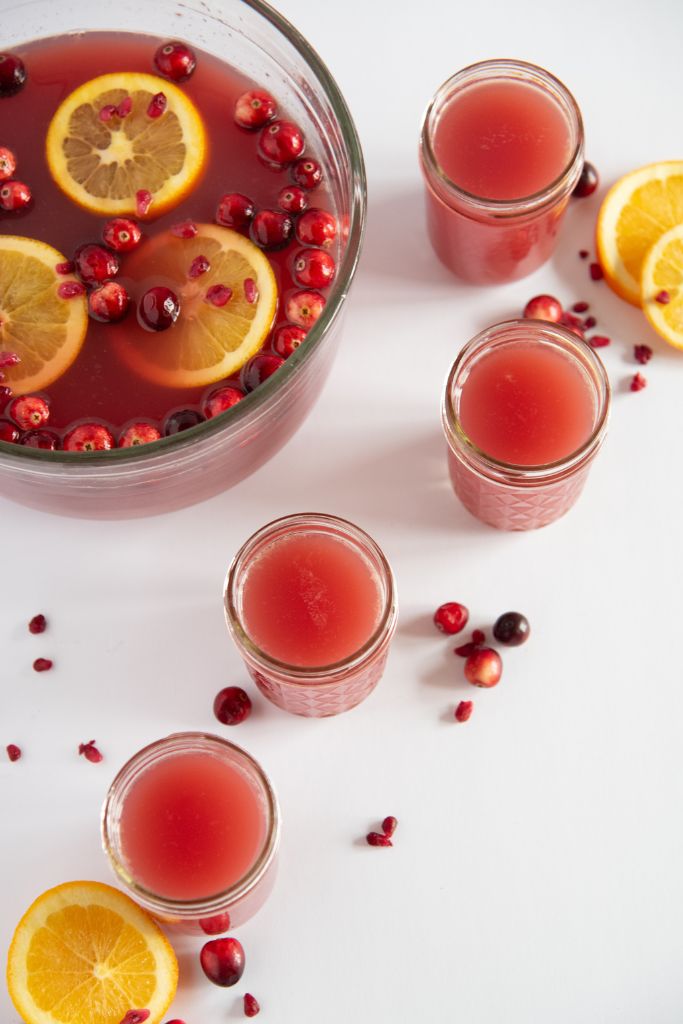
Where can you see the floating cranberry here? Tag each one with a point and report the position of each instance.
(157, 105)
(280, 143)
(232, 705)
(255, 108)
(389, 825)
(235, 210)
(108, 303)
(38, 624)
(8, 163)
(451, 617)
(215, 925)
(222, 961)
(638, 382)
(287, 339)
(200, 265)
(292, 199)
(220, 400)
(95, 264)
(89, 437)
(175, 60)
(314, 268)
(271, 229)
(642, 354)
(13, 751)
(512, 629)
(90, 752)
(304, 308)
(316, 227)
(181, 420)
(29, 411)
(251, 1006)
(218, 295)
(463, 712)
(543, 307)
(44, 440)
(159, 308)
(378, 839)
(14, 195)
(306, 172)
(121, 234)
(588, 181)
(483, 667)
(12, 74)
(258, 369)
(42, 665)
(9, 432)
(139, 433)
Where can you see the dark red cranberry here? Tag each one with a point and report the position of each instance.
(389, 825)
(232, 705)
(95, 264)
(200, 265)
(378, 839)
(9, 432)
(89, 437)
(280, 143)
(314, 268)
(316, 227)
(108, 303)
(14, 195)
(139, 433)
(44, 440)
(5, 396)
(543, 307)
(638, 382)
(222, 961)
(175, 60)
(12, 74)
(181, 420)
(255, 108)
(8, 163)
(258, 369)
(157, 105)
(13, 751)
(304, 308)
(235, 210)
(42, 665)
(463, 712)
(483, 667)
(642, 353)
(220, 400)
(511, 629)
(29, 411)
(292, 199)
(218, 295)
(251, 1006)
(286, 339)
(306, 172)
(451, 617)
(159, 308)
(271, 229)
(90, 752)
(588, 181)
(121, 234)
(38, 624)
(215, 925)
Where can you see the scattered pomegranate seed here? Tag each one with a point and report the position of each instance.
(67, 267)
(451, 617)
(29, 411)
(9, 432)
(9, 359)
(13, 751)
(314, 268)
(222, 961)
(483, 667)
(589, 323)
(175, 60)
(200, 265)
(280, 143)
(543, 307)
(139, 433)
(159, 308)
(306, 173)
(465, 650)
(250, 290)
(389, 825)
(512, 629)
(599, 341)
(232, 705)
(108, 303)
(70, 289)
(596, 272)
(89, 437)
(463, 712)
(181, 420)
(38, 624)
(95, 264)
(251, 1006)
(143, 201)
(378, 839)
(663, 298)
(258, 369)
(583, 254)
(235, 210)
(215, 925)
(92, 754)
(8, 163)
(42, 665)
(478, 637)
(287, 339)
(218, 295)
(588, 181)
(642, 353)
(292, 199)
(580, 307)
(271, 229)
(157, 105)
(107, 112)
(185, 229)
(304, 308)
(316, 227)
(253, 109)
(45, 440)
(14, 195)
(638, 382)
(125, 106)
(121, 234)
(135, 1017)
(220, 400)
(12, 74)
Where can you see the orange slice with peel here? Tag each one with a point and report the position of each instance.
(635, 213)
(104, 165)
(84, 953)
(44, 329)
(663, 278)
(209, 341)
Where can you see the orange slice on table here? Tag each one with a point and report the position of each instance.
(208, 342)
(663, 272)
(84, 953)
(103, 165)
(44, 330)
(635, 213)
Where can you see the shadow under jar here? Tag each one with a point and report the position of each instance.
(501, 150)
(524, 412)
(310, 601)
(191, 827)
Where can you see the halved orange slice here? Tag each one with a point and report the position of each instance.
(663, 273)
(45, 330)
(105, 165)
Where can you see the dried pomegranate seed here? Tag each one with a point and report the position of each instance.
(232, 705)
(70, 289)
(589, 322)
(42, 665)
(599, 341)
(200, 265)
(314, 268)
(512, 629)
(483, 667)
(9, 432)
(222, 961)
(215, 925)
(280, 143)
(12, 74)
(29, 411)
(139, 433)
(583, 254)
(463, 712)
(13, 751)
(543, 307)
(157, 105)
(95, 264)
(251, 1006)
(271, 229)
(89, 437)
(143, 201)
(107, 112)
(316, 227)
(292, 199)
(638, 382)
(14, 195)
(91, 753)
(9, 359)
(235, 210)
(38, 624)
(218, 295)
(588, 181)
(253, 109)
(642, 353)
(451, 617)
(378, 839)
(67, 267)
(306, 173)
(287, 339)
(8, 163)
(465, 650)
(121, 234)
(663, 298)
(596, 272)
(258, 369)
(175, 60)
(125, 106)
(159, 308)
(580, 307)
(135, 1017)
(304, 308)
(220, 400)
(108, 303)
(389, 825)
(44, 440)
(478, 637)
(184, 419)
(185, 229)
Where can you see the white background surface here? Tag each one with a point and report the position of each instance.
(536, 872)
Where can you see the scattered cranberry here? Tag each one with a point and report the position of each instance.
(200, 265)
(511, 629)
(108, 303)
(463, 712)
(251, 1006)
(588, 181)
(91, 753)
(583, 254)
(182, 420)
(44, 440)
(222, 961)
(378, 839)
(314, 268)
(38, 624)
(543, 307)
(218, 295)
(125, 106)
(215, 925)
(67, 267)
(258, 369)
(638, 382)
(316, 227)
(159, 308)
(232, 705)
(580, 307)
(175, 60)
(292, 199)
(139, 433)
(271, 229)
(451, 617)
(250, 290)
(89, 437)
(304, 308)
(42, 665)
(287, 339)
(280, 142)
(478, 637)
(599, 341)
(13, 751)
(8, 163)
(95, 264)
(642, 353)
(389, 825)
(121, 234)
(14, 195)
(135, 1017)
(9, 432)
(29, 411)
(465, 650)
(143, 201)
(589, 322)
(157, 105)
(12, 74)
(596, 272)
(70, 289)
(220, 400)
(235, 210)
(185, 229)
(663, 298)
(255, 108)
(306, 173)
(483, 667)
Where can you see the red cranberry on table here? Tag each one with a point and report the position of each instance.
(316, 227)
(89, 437)
(258, 369)
(255, 108)
(232, 705)
(159, 308)
(8, 163)
(182, 420)
(29, 411)
(287, 339)
(94, 263)
(271, 229)
(139, 433)
(12, 74)
(280, 143)
(121, 234)
(314, 268)
(222, 961)
(512, 629)
(451, 617)
(175, 60)
(483, 667)
(544, 307)
(235, 210)
(292, 199)
(306, 172)
(220, 400)
(588, 181)
(14, 195)
(108, 303)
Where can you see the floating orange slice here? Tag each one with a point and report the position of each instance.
(663, 273)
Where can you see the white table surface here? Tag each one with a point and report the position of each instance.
(536, 876)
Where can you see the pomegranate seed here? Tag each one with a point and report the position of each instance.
(306, 173)
(125, 106)
(70, 290)
(135, 1017)
(280, 143)
(642, 353)
(512, 629)
(220, 400)
(483, 667)
(67, 267)
(9, 359)
(222, 961)
(292, 199)
(232, 705)
(250, 290)
(596, 272)
(95, 264)
(121, 234)
(159, 308)
(143, 201)
(139, 433)
(389, 825)
(107, 112)
(286, 339)
(5, 397)
(89, 437)
(478, 637)
(464, 711)
(258, 369)
(38, 624)
(91, 753)
(45, 440)
(12, 74)
(599, 341)
(215, 925)
(9, 432)
(157, 105)
(583, 254)
(316, 227)
(314, 268)
(175, 60)
(42, 665)
(14, 195)
(8, 163)
(235, 211)
(29, 411)
(589, 323)
(588, 181)
(378, 839)
(451, 617)
(253, 109)
(304, 308)
(580, 307)
(184, 419)
(185, 229)
(271, 229)
(465, 650)
(218, 295)
(251, 1006)
(200, 265)
(638, 382)
(543, 307)
(108, 303)
(13, 751)
(663, 298)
